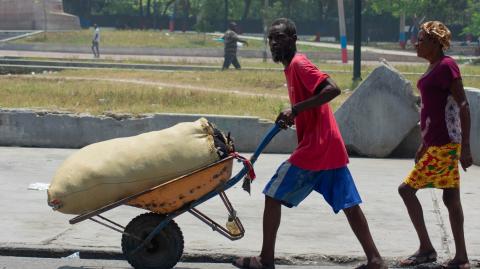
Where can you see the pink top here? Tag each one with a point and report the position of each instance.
(320, 144)
(439, 115)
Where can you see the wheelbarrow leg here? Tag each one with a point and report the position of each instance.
(217, 227)
(231, 211)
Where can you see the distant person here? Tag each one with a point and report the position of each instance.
(445, 131)
(477, 50)
(96, 41)
(319, 163)
(230, 38)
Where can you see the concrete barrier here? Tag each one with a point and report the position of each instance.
(379, 114)
(473, 97)
(410, 144)
(66, 130)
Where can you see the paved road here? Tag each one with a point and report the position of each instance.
(42, 263)
(310, 233)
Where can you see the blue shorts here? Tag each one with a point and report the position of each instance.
(291, 185)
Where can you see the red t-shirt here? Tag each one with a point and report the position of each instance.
(320, 144)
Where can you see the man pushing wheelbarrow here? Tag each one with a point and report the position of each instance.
(319, 163)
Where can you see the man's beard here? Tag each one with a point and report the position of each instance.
(279, 56)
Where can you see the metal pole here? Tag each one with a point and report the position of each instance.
(171, 25)
(357, 42)
(226, 15)
(155, 14)
(402, 39)
(44, 20)
(343, 35)
(265, 29)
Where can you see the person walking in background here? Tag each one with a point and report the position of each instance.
(445, 129)
(96, 41)
(230, 39)
(319, 163)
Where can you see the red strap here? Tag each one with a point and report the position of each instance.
(250, 173)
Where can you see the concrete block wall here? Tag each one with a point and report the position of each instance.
(379, 114)
(64, 130)
(410, 144)
(473, 97)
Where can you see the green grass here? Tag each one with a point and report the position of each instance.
(250, 94)
(254, 82)
(100, 97)
(143, 38)
(265, 82)
(127, 38)
(259, 93)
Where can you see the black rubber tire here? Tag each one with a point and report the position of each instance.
(163, 252)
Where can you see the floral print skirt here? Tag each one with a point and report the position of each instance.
(437, 168)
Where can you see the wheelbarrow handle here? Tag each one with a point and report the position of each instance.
(265, 141)
(274, 130)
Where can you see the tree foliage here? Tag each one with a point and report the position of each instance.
(447, 11)
(210, 14)
(473, 12)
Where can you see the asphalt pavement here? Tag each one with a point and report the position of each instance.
(49, 263)
(311, 233)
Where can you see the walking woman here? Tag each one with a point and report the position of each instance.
(445, 126)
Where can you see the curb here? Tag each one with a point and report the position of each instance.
(109, 254)
(298, 260)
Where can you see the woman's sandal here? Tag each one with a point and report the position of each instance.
(251, 263)
(455, 265)
(417, 259)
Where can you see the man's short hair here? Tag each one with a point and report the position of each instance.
(290, 28)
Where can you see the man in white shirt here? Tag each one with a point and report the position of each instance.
(96, 41)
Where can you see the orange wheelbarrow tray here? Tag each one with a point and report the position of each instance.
(154, 240)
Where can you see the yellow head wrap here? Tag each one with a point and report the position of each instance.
(438, 31)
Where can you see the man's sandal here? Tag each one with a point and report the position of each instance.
(455, 265)
(417, 259)
(251, 263)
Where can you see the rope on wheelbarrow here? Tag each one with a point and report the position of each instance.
(250, 173)
(250, 176)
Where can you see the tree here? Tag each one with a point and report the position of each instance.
(473, 25)
(246, 9)
(208, 15)
(446, 11)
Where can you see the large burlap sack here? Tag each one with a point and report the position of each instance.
(108, 171)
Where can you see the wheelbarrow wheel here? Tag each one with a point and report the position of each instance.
(162, 252)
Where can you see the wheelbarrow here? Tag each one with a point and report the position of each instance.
(153, 239)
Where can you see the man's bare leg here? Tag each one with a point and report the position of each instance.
(360, 228)
(271, 221)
